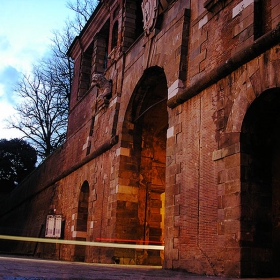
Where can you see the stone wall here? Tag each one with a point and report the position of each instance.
(167, 157)
(204, 174)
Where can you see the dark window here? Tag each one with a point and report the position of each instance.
(116, 12)
(85, 72)
(115, 35)
(139, 20)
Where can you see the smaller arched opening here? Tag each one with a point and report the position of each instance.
(81, 222)
(260, 187)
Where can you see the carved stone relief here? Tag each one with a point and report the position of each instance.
(104, 90)
(150, 13)
(104, 85)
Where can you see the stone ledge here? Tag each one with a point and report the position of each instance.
(225, 152)
(245, 55)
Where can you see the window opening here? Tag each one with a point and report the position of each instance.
(85, 72)
(91, 126)
(116, 11)
(100, 50)
(115, 35)
(90, 134)
(139, 20)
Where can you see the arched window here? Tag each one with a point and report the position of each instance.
(115, 35)
(260, 177)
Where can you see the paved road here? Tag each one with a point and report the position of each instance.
(18, 268)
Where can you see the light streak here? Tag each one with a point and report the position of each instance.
(77, 242)
(129, 240)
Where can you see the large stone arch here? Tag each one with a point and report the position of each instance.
(260, 186)
(254, 117)
(248, 83)
(141, 189)
(242, 90)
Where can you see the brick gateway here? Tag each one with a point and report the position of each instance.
(172, 137)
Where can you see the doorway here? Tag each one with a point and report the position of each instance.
(81, 222)
(260, 187)
(141, 219)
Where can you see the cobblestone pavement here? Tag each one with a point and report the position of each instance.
(18, 268)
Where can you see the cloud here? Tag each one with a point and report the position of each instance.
(4, 43)
(9, 74)
(9, 77)
(24, 39)
(7, 111)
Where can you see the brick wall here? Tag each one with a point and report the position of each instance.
(203, 190)
(122, 148)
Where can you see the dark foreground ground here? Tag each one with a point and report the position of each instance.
(18, 268)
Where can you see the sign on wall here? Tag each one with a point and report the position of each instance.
(53, 226)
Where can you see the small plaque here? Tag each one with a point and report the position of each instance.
(53, 226)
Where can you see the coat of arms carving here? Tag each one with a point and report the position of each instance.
(150, 13)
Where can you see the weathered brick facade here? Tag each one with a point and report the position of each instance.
(183, 148)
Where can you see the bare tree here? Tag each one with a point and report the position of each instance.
(58, 67)
(83, 10)
(42, 113)
(45, 93)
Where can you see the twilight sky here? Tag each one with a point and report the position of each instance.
(25, 30)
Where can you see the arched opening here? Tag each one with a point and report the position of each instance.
(115, 33)
(140, 215)
(138, 20)
(99, 60)
(260, 187)
(81, 222)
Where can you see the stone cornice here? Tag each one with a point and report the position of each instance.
(258, 47)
